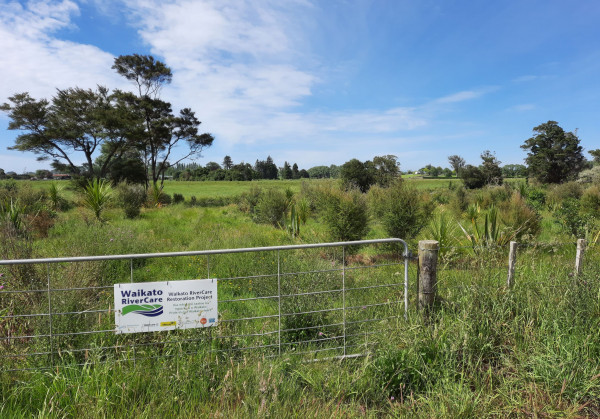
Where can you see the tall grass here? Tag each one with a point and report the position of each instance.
(487, 351)
(528, 351)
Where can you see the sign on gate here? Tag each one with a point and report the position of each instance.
(156, 306)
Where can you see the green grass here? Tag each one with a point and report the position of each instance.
(224, 189)
(214, 189)
(528, 351)
(486, 351)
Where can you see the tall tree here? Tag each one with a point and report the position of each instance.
(319, 172)
(227, 163)
(126, 166)
(554, 156)
(266, 169)
(212, 166)
(472, 177)
(491, 168)
(162, 130)
(387, 169)
(358, 174)
(457, 163)
(286, 171)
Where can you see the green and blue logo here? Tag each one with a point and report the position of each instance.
(148, 310)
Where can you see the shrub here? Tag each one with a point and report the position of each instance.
(571, 220)
(30, 199)
(318, 194)
(271, 208)
(157, 197)
(249, 200)
(131, 197)
(520, 217)
(375, 199)
(590, 176)
(536, 197)
(405, 212)
(178, 198)
(590, 201)
(472, 177)
(346, 215)
(41, 222)
(559, 193)
(459, 202)
(441, 196)
(493, 195)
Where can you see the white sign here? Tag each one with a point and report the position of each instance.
(155, 306)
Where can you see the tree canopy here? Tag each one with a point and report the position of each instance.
(75, 123)
(554, 156)
(490, 168)
(78, 124)
(457, 163)
(161, 130)
(355, 173)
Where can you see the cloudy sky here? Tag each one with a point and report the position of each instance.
(318, 82)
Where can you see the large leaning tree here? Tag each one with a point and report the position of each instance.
(74, 125)
(161, 130)
(554, 156)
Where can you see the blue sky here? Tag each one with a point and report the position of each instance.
(321, 82)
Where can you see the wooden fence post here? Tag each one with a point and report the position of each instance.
(428, 254)
(512, 259)
(579, 256)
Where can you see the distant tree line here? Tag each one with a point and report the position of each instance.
(124, 136)
(262, 169)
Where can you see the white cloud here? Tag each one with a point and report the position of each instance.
(465, 95)
(34, 60)
(524, 107)
(526, 78)
(242, 66)
(245, 67)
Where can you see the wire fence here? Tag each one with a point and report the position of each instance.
(316, 301)
(544, 269)
(321, 300)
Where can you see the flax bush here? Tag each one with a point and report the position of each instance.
(96, 196)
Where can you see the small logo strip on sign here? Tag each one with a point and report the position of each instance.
(168, 323)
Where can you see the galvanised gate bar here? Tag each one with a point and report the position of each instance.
(315, 300)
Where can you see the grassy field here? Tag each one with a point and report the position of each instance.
(224, 189)
(486, 351)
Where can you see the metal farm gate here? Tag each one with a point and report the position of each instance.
(314, 300)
